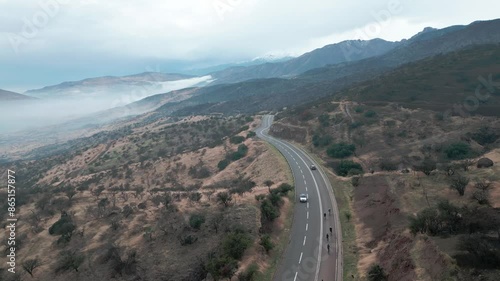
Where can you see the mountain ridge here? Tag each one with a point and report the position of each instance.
(276, 93)
(349, 50)
(9, 96)
(106, 80)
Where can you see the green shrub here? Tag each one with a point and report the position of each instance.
(341, 150)
(63, 227)
(321, 140)
(269, 211)
(275, 199)
(223, 164)
(240, 153)
(388, 165)
(237, 139)
(324, 120)
(267, 243)
(282, 189)
(251, 134)
(426, 221)
(188, 240)
(196, 220)
(445, 219)
(127, 211)
(354, 172)
(347, 167)
(260, 197)
(427, 166)
(376, 273)
(222, 267)
(249, 273)
(370, 114)
(355, 125)
(347, 215)
(482, 253)
(241, 185)
(458, 151)
(235, 244)
(485, 135)
(199, 172)
(359, 109)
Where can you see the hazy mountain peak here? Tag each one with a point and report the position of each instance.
(345, 51)
(8, 96)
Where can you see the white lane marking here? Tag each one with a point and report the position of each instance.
(306, 188)
(300, 259)
(307, 225)
(320, 208)
(308, 205)
(317, 191)
(307, 214)
(295, 276)
(304, 177)
(304, 241)
(301, 171)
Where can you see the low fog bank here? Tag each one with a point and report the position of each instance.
(18, 116)
(55, 109)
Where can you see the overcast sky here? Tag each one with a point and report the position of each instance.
(46, 42)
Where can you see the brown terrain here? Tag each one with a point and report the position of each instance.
(134, 218)
(391, 144)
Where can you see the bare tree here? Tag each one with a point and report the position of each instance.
(465, 164)
(481, 195)
(459, 183)
(97, 191)
(163, 223)
(113, 192)
(216, 222)
(69, 260)
(34, 220)
(139, 192)
(148, 233)
(70, 192)
(30, 265)
(483, 184)
(224, 198)
(209, 194)
(124, 196)
(43, 202)
(195, 196)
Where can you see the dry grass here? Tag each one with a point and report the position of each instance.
(401, 135)
(151, 174)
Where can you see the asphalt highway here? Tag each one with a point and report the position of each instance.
(307, 256)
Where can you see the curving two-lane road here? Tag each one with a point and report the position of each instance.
(307, 256)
